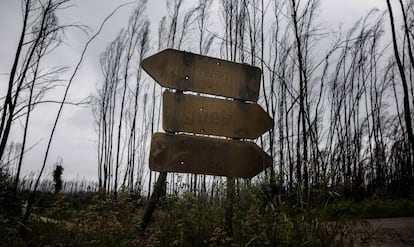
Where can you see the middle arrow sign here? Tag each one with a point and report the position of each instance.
(212, 116)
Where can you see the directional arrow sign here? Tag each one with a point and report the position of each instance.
(212, 116)
(191, 72)
(203, 155)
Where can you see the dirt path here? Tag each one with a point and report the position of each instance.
(43, 219)
(392, 232)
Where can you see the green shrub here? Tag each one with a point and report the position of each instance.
(371, 208)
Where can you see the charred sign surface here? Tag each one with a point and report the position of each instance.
(212, 116)
(191, 72)
(205, 155)
(238, 117)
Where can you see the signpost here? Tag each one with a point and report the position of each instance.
(212, 116)
(204, 155)
(237, 116)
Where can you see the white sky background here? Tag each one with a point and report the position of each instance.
(75, 138)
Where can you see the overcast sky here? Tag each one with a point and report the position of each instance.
(75, 139)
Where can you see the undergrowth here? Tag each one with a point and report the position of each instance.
(259, 219)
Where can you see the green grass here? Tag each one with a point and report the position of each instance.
(188, 220)
(371, 208)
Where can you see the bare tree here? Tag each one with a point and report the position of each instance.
(137, 27)
(40, 35)
(110, 64)
(404, 81)
(58, 115)
(117, 103)
(136, 141)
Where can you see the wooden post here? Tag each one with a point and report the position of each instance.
(155, 197)
(229, 207)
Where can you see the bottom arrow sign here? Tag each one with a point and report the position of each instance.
(204, 155)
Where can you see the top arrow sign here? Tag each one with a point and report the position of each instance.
(191, 72)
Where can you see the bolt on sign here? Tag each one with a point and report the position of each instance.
(236, 116)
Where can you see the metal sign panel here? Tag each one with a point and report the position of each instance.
(191, 72)
(203, 155)
(212, 116)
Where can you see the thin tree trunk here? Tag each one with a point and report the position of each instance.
(407, 112)
(155, 197)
